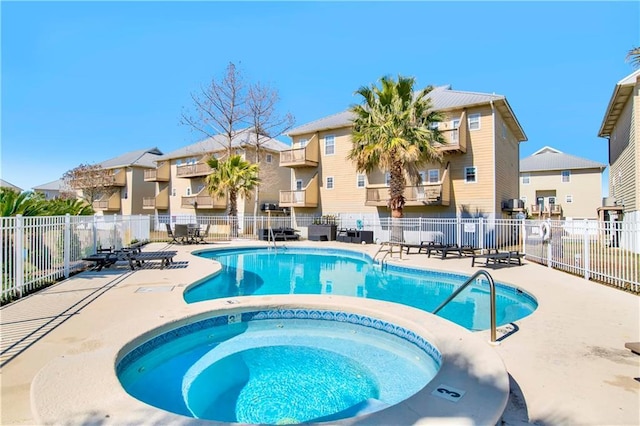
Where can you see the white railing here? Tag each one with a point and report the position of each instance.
(39, 250)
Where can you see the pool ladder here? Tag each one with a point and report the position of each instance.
(272, 239)
(492, 293)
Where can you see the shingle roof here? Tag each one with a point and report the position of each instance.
(442, 98)
(549, 158)
(219, 143)
(141, 158)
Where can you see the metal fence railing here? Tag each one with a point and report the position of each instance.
(39, 250)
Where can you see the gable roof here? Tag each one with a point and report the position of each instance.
(141, 158)
(219, 142)
(549, 158)
(442, 98)
(56, 185)
(5, 184)
(621, 93)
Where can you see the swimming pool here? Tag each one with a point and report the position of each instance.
(262, 271)
(279, 366)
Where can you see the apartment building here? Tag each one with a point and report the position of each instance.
(127, 187)
(52, 190)
(556, 185)
(478, 175)
(179, 176)
(621, 127)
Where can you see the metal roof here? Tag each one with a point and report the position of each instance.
(140, 158)
(549, 158)
(5, 184)
(442, 98)
(56, 185)
(621, 93)
(219, 143)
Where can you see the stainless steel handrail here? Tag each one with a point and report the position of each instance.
(492, 292)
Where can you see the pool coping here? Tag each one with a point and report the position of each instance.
(468, 363)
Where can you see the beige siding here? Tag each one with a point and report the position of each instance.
(623, 175)
(584, 188)
(507, 164)
(136, 190)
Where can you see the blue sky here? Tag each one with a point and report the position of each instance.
(83, 82)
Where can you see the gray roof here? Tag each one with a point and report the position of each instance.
(56, 185)
(219, 143)
(442, 98)
(5, 184)
(621, 94)
(140, 158)
(549, 158)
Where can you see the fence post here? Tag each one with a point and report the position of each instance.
(523, 236)
(420, 229)
(481, 233)
(95, 234)
(66, 252)
(458, 230)
(19, 253)
(585, 247)
(549, 250)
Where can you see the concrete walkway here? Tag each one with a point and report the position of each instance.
(567, 360)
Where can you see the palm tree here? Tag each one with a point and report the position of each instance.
(392, 131)
(633, 56)
(233, 176)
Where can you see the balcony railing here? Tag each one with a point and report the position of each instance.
(307, 197)
(159, 202)
(109, 204)
(117, 178)
(204, 201)
(160, 174)
(427, 194)
(307, 156)
(193, 170)
(550, 210)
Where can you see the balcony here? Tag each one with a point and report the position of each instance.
(108, 204)
(427, 194)
(546, 211)
(203, 200)
(159, 174)
(307, 197)
(117, 177)
(193, 170)
(456, 139)
(307, 156)
(159, 202)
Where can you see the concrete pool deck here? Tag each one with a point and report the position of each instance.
(567, 360)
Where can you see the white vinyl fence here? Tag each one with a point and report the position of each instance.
(40, 250)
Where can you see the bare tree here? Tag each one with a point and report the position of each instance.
(266, 124)
(92, 179)
(219, 109)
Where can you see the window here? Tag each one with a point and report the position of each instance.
(387, 178)
(299, 185)
(552, 200)
(179, 162)
(566, 176)
(455, 123)
(329, 145)
(173, 192)
(188, 191)
(268, 158)
(504, 131)
(434, 125)
(568, 199)
(470, 175)
(526, 178)
(303, 142)
(474, 121)
(423, 177)
(329, 182)
(524, 200)
(360, 181)
(434, 176)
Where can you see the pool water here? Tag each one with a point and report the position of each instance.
(279, 371)
(260, 271)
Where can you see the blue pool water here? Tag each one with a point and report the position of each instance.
(291, 367)
(260, 271)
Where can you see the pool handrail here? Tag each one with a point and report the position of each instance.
(492, 290)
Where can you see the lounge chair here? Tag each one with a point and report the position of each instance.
(444, 250)
(424, 245)
(495, 256)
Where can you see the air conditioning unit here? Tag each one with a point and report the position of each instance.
(268, 206)
(609, 201)
(513, 204)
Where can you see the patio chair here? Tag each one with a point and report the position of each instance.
(203, 235)
(181, 233)
(171, 234)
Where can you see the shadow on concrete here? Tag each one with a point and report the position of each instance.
(48, 309)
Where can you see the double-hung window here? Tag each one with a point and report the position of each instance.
(433, 176)
(329, 182)
(566, 176)
(329, 145)
(360, 180)
(474, 121)
(470, 174)
(455, 124)
(526, 178)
